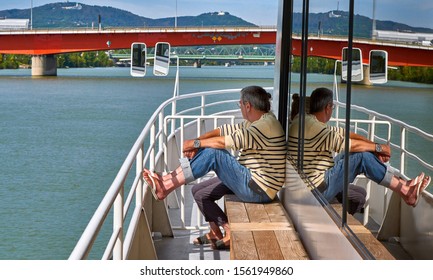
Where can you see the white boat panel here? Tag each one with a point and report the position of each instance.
(321, 237)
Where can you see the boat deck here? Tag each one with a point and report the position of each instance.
(180, 247)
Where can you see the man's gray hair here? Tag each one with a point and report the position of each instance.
(258, 97)
(320, 98)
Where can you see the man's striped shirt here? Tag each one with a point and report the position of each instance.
(263, 150)
(320, 142)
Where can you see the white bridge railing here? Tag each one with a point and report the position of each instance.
(151, 147)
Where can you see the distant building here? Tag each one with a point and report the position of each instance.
(406, 37)
(14, 24)
(332, 15)
(76, 7)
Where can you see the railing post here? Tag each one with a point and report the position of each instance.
(160, 131)
(138, 170)
(203, 104)
(173, 113)
(402, 150)
(152, 144)
(182, 188)
(118, 224)
(371, 134)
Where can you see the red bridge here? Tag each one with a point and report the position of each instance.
(50, 42)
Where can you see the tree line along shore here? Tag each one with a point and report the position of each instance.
(314, 65)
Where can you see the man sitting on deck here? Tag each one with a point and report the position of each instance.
(366, 157)
(256, 176)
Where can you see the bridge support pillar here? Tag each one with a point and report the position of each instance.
(44, 65)
(366, 80)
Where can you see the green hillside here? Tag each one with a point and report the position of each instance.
(56, 16)
(77, 15)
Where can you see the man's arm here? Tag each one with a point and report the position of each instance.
(217, 142)
(354, 135)
(211, 139)
(213, 133)
(364, 145)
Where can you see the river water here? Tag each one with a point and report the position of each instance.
(63, 139)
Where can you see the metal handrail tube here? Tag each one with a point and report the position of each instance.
(111, 243)
(130, 196)
(409, 127)
(209, 105)
(373, 122)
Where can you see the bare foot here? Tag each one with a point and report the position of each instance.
(415, 191)
(422, 187)
(155, 182)
(155, 174)
(414, 181)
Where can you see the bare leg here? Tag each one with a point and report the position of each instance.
(165, 184)
(225, 242)
(215, 232)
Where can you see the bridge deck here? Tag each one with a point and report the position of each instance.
(66, 41)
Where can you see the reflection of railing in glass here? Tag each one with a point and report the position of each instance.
(357, 71)
(162, 59)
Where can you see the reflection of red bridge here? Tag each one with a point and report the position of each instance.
(48, 42)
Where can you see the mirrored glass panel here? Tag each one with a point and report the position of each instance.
(138, 59)
(357, 71)
(378, 67)
(162, 59)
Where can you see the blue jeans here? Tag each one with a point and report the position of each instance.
(359, 163)
(234, 175)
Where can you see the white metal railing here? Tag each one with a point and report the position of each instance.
(373, 119)
(198, 121)
(404, 128)
(145, 151)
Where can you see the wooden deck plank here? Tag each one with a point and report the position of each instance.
(290, 244)
(276, 212)
(260, 226)
(242, 246)
(267, 245)
(256, 213)
(236, 211)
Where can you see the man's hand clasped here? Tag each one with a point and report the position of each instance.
(385, 154)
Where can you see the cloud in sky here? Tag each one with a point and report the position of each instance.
(419, 13)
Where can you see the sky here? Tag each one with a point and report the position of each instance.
(261, 12)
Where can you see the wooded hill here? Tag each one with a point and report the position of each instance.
(77, 15)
